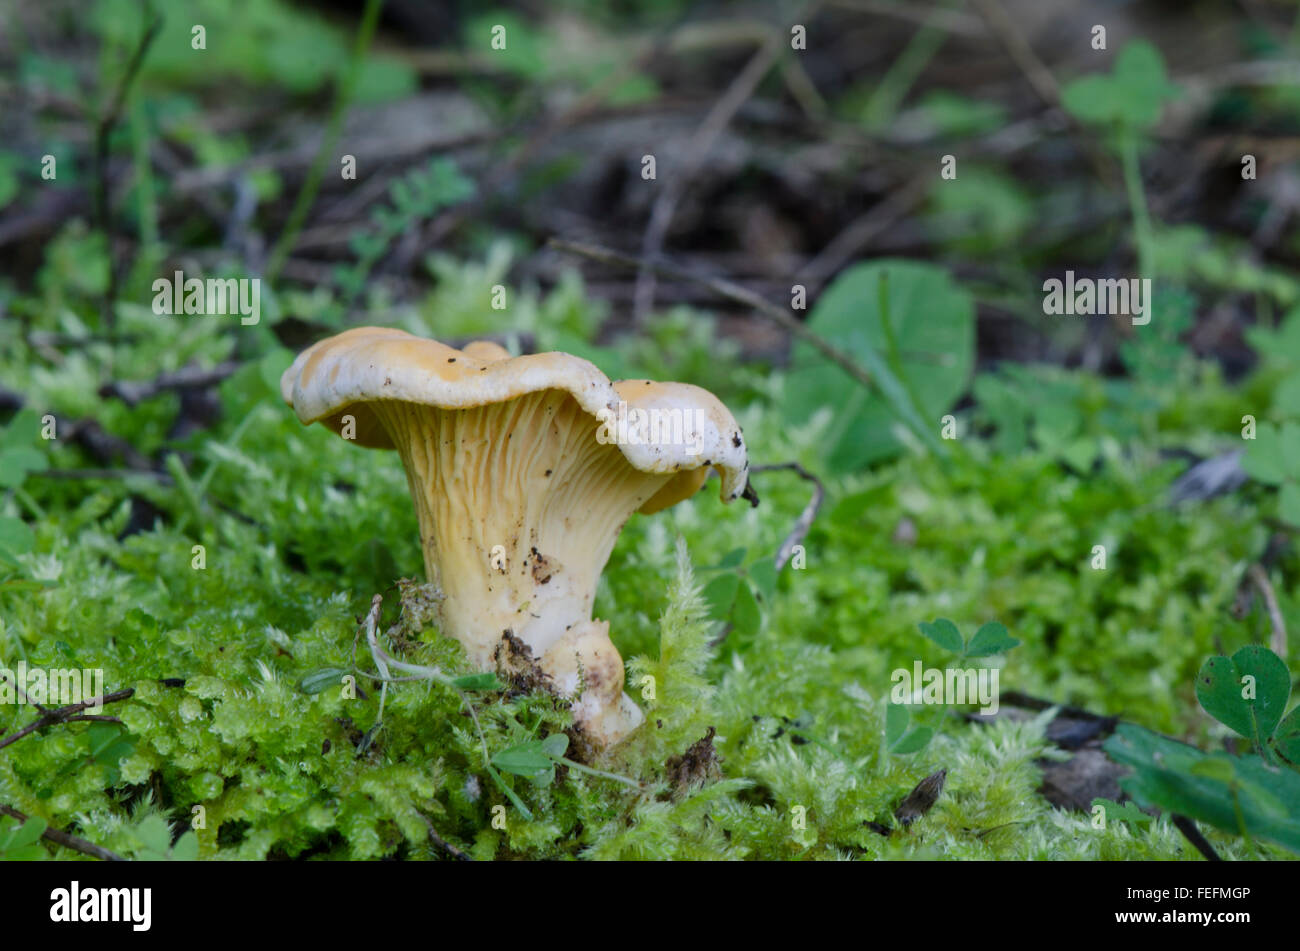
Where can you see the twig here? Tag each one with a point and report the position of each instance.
(729, 290)
(103, 129)
(442, 843)
(805, 520)
(191, 377)
(1040, 77)
(717, 119)
(72, 713)
(66, 839)
(1188, 828)
(106, 474)
(1259, 576)
(849, 242)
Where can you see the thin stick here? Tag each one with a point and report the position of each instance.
(857, 235)
(727, 289)
(66, 839)
(1188, 828)
(190, 377)
(805, 520)
(442, 843)
(1259, 576)
(717, 119)
(72, 712)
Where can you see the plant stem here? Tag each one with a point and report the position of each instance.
(1128, 151)
(307, 194)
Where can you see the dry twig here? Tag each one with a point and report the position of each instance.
(66, 839)
(806, 517)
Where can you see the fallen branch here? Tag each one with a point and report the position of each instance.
(186, 378)
(66, 839)
(718, 118)
(72, 713)
(442, 843)
(806, 517)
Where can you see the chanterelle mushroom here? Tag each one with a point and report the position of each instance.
(523, 471)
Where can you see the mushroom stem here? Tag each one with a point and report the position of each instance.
(519, 506)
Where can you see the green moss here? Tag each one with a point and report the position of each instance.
(301, 529)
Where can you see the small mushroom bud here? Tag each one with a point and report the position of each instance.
(523, 472)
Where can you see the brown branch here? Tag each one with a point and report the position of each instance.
(73, 712)
(805, 520)
(66, 839)
(702, 141)
(859, 233)
(186, 378)
(442, 843)
(729, 290)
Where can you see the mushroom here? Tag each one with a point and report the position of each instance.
(523, 472)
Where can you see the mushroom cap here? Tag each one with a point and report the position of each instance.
(340, 375)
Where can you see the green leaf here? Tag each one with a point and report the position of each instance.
(1220, 769)
(17, 462)
(15, 537)
(731, 559)
(321, 680)
(1289, 447)
(931, 332)
(1288, 503)
(486, 681)
(913, 742)
(1286, 738)
(1219, 688)
(1133, 94)
(22, 432)
(186, 848)
(526, 759)
(991, 638)
(1163, 778)
(28, 833)
(1286, 398)
(896, 720)
(944, 633)
(745, 614)
(719, 594)
(154, 833)
(763, 574)
(555, 745)
(1263, 460)
(1122, 813)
